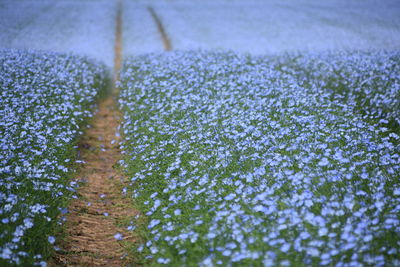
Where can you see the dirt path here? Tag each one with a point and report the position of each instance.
(117, 45)
(96, 223)
(92, 219)
(96, 232)
(161, 30)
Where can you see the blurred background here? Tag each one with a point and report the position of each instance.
(253, 26)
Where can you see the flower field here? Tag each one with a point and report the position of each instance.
(45, 98)
(269, 136)
(237, 160)
(368, 81)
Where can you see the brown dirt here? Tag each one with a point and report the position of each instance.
(89, 232)
(118, 43)
(161, 30)
(93, 218)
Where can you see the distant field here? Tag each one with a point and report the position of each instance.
(80, 27)
(271, 27)
(255, 26)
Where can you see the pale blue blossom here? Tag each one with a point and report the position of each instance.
(118, 236)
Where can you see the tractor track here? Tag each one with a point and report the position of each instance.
(165, 39)
(93, 218)
(94, 235)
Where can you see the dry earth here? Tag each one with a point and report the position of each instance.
(101, 211)
(93, 217)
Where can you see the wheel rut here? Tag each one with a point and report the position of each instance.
(164, 37)
(92, 230)
(95, 229)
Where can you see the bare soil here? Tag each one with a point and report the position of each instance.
(101, 212)
(93, 217)
(164, 37)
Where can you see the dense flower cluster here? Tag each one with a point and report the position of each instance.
(236, 161)
(368, 80)
(44, 99)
